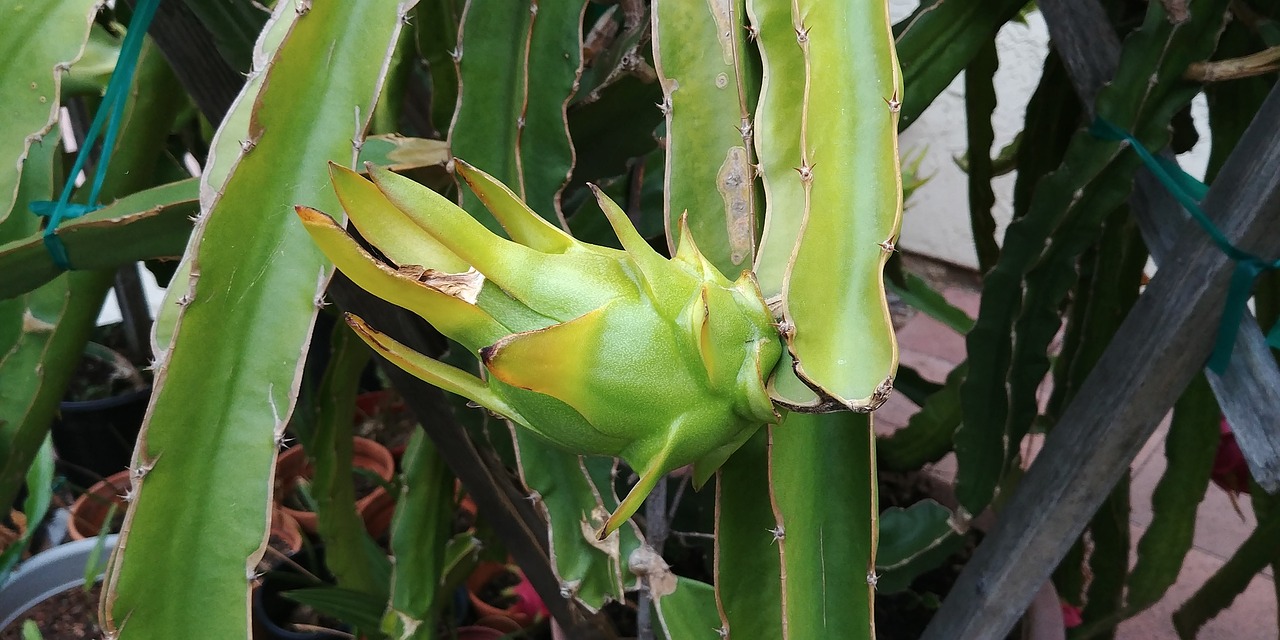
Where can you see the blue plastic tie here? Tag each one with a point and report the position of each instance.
(1189, 192)
(110, 112)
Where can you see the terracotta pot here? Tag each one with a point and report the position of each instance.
(485, 572)
(377, 513)
(292, 465)
(463, 498)
(89, 511)
(498, 623)
(285, 528)
(10, 535)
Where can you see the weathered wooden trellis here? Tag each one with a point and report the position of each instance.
(1163, 342)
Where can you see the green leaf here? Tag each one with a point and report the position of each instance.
(917, 293)
(235, 25)
(928, 433)
(240, 337)
(913, 541)
(833, 195)
(609, 132)
(574, 511)
(939, 40)
(35, 507)
(94, 565)
(420, 544)
(1109, 556)
(30, 631)
(914, 386)
(224, 150)
(980, 105)
(689, 612)
(516, 75)
(748, 571)
(356, 608)
(437, 31)
(1227, 583)
(90, 74)
(350, 554)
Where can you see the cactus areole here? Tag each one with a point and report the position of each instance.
(661, 362)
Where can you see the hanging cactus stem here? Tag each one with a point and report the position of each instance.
(661, 362)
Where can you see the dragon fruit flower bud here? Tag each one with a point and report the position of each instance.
(661, 362)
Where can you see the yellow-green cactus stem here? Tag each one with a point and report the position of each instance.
(826, 134)
(602, 352)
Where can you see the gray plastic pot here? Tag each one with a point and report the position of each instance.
(45, 575)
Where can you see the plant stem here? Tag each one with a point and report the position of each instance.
(657, 528)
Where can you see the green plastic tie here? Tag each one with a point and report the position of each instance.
(110, 112)
(1189, 192)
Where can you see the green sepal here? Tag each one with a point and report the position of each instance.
(451, 315)
(433, 372)
(554, 361)
(539, 280)
(384, 226)
(519, 221)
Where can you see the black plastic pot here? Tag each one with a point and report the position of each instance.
(271, 609)
(94, 436)
(269, 606)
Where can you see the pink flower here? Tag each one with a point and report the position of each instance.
(1230, 472)
(528, 601)
(1071, 615)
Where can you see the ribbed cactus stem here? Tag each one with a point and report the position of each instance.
(699, 55)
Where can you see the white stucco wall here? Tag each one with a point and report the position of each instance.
(936, 220)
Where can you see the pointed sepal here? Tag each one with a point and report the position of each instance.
(521, 223)
(451, 314)
(387, 228)
(433, 372)
(556, 361)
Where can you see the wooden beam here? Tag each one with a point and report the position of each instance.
(1248, 391)
(1161, 345)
